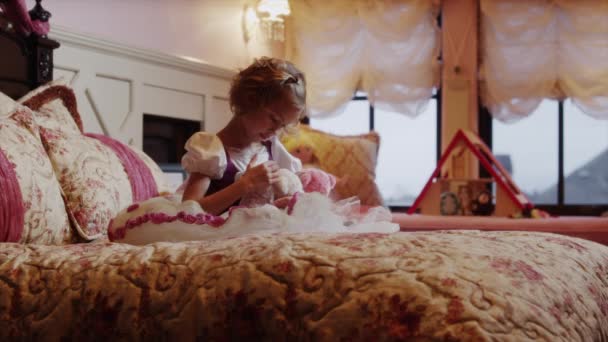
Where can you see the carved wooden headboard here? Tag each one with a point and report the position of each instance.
(26, 61)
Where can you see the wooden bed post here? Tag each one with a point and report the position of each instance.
(41, 66)
(459, 85)
(27, 60)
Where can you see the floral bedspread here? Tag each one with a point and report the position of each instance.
(454, 286)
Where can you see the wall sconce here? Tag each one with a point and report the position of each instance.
(267, 14)
(272, 14)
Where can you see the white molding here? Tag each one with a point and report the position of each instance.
(65, 36)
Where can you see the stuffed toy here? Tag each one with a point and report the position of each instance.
(301, 147)
(531, 212)
(307, 180)
(316, 180)
(482, 205)
(289, 183)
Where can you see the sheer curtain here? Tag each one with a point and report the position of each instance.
(537, 49)
(387, 48)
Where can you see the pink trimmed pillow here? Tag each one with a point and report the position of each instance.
(143, 184)
(32, 209)
(162, 185)
(99, 175)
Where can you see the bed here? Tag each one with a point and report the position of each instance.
(456, 285)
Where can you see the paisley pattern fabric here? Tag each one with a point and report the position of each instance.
(143, 185)
(98, 175)
(93, 179)
(427, 286)
(38, 215)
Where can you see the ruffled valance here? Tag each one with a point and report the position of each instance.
(388, 49)
(538, 49)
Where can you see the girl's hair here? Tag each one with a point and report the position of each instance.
(266, 81)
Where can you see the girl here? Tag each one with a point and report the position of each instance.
(245, 155)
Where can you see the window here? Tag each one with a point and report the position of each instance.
(528, 147)
(585, 157)
(558, 156)
(408, 146)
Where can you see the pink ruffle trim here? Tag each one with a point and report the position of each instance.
(160, 218)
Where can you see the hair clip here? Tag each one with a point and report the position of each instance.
(290, 79)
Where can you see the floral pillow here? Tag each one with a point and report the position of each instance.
(32, 209)
(99, 175)
(162, 184)
(352, 159)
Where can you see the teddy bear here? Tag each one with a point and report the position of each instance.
(316, 180)
(289, 184)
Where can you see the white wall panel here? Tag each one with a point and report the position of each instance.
(116, 84)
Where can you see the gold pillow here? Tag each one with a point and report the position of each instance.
(351, 158)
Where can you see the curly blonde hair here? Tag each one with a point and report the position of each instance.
(265, 81)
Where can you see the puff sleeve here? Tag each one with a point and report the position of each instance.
(205, 154)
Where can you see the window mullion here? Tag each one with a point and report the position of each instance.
(371, 117)
(560, 155)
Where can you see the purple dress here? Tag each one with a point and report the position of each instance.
(230, 173)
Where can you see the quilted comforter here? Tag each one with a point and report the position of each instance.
(457, 285)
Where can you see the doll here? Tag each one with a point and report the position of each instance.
(302, 148)
(483, 205)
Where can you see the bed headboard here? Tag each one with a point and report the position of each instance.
(27, 59)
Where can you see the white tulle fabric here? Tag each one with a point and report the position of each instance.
(205, 154)
(537, 49)
(313, 212)
(386, 48)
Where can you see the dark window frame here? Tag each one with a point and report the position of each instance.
(561, 207)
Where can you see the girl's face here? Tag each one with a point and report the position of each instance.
(264, 124)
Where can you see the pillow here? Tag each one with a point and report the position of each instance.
(99, 175)
(352, 159)
(60, 109)
(32, 209)
(162, 184)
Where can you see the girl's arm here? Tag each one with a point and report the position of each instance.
(215, 204)
(255, 178)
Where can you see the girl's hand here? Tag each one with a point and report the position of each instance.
(282, 202)
(260, 177)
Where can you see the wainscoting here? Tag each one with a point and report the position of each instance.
(116, 84)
